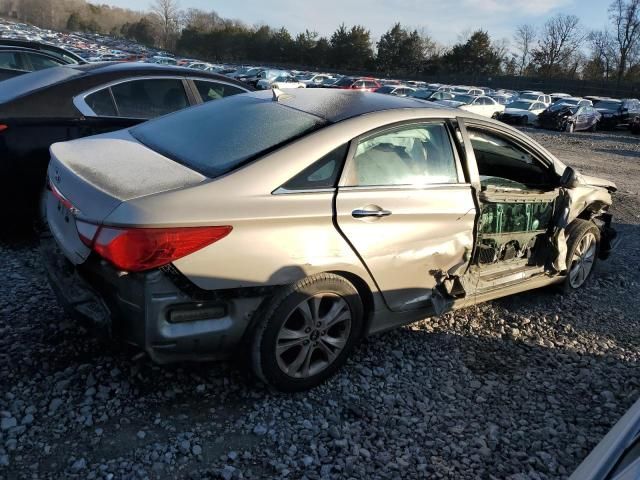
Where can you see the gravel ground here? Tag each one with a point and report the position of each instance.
(520, 388)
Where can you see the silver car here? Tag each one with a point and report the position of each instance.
(290, 226)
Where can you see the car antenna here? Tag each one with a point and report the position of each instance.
(279, 95)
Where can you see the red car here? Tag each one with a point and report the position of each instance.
(363, 84)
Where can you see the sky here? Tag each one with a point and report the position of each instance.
(444, 20)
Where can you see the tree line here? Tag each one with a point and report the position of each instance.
(561, 48)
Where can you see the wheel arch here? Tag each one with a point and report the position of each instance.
(366, 295)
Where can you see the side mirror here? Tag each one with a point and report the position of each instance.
(569, 178)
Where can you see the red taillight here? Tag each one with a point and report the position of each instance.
(3, 127)
(138, 249)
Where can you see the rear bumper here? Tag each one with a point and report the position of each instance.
(148, 310)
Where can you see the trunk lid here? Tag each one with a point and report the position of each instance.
(90, 177)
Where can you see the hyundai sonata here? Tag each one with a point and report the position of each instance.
(290, 226)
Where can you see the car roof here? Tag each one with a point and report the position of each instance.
(335, 105)
(135, 67)
(41, 47)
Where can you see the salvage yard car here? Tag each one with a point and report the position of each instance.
(522, 112)
(568, 117)
(63, 103)
(481, 105)
(354, 213)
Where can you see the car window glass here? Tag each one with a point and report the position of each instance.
(11, 60)
(40, 62)
(214, 90)
(500, 160)
(149, 98)
(321, 174)
(101, 103)
(412, 155)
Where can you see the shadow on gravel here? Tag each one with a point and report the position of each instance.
(622, 153)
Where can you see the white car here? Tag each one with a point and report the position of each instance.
(481, 104)
(536, 97)
(200, 65)
(315, 78)
(523, 112)
(281, 82)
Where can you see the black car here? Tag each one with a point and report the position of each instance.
(569, 117)
(67, 57)
(616, 112)
(65, 103)
(16, 61)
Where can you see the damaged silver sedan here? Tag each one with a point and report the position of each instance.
(287, 227)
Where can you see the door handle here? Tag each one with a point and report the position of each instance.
(359, 213)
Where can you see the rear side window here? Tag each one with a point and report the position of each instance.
(149, 98)
(409, 155)
(213, 90)
(101, 103)
(321, 174)
(11, 60)
(40, 62)
(217, 137)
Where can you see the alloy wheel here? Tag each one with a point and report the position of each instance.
(313, 335)
(583, 258)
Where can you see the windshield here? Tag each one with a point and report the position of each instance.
(464, 98)
(601, 104)
(308, 76)
(520, 105)
(385, 89)
(421, 94)
(344, 82)
(217, 137)
(529, 96)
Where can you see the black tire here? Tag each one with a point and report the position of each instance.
(276, 313)
(575, 232)
(594, 128)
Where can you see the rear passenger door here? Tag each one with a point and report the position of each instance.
(405, 207)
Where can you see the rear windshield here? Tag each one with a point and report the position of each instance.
(600, 104)
(217, 137)
(23, 84)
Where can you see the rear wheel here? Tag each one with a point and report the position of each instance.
(306, 332)
(583, 243)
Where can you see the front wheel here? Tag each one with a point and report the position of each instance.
(583, 243)
(306, 332)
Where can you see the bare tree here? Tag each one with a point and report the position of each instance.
(523, 38)
(603, 51)
(560, 39)
(202, 21)
(625, 15)
(167, 14)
